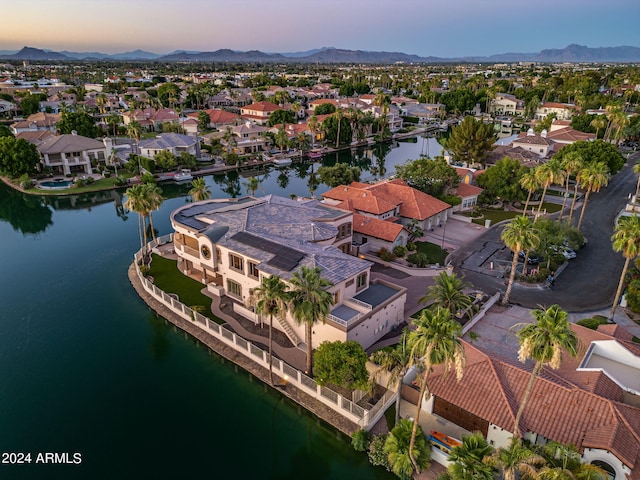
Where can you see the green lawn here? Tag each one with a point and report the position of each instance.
(433, 251)
(168, 278)
(102, 184)
(498, 215)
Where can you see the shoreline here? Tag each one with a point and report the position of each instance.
(313, 406)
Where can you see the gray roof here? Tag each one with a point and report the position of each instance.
(166, 141)
(279, 233)
(68, 143)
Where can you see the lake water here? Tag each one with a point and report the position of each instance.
(87, 368)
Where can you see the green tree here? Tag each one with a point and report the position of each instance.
(395, 363)
(625, 239)
(281, 117)
(168, 94)
(343, 364)
(397, 448)
(548, 174)
(271, 298)
(459, 100)
(434, 342)
(516, 461)
(310, 303)
(165, 160)
(199, 190)
(545, 124)
(447, 293)
(543, 342)
(519, 235)
(252, 184)
(324, 109)
(471, 141)
(571, 163)
(203, 121)
(337, 129)
(282, 139)
(137, 202)
(30, 103)
(338, 174)
(17, 157)
(434, 177)
(593, 177)
(594, 152)
(79, 122)
(468, 459)
(502, 181)
(530, 183)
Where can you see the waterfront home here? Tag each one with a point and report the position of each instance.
(71, 154)
(592, 401)
(250, 137)
(506, 104)
(392, 201)
(150, 118)
(563, 111)
(537, 143)
(218, 119)
(37, 121)
(175, 143)
(231, 244)
(258, 112)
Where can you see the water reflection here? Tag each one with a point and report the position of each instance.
(27, 214)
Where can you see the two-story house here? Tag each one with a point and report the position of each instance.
(73, 154)
(506, 104)
(258, 112)
(230, 245)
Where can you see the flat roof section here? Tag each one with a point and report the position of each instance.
(344, 313)
(376, 294)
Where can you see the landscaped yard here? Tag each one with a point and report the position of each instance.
(168, 278)
(498, 214)
(433, 251)
(102, 184)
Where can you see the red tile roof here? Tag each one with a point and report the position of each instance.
(372, 227)
(466, 190)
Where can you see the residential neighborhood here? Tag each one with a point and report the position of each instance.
(479, 245)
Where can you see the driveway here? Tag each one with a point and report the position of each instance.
(587, 283)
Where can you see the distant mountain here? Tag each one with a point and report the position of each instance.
(571, 53)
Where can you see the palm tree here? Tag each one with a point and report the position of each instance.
(447, 293)
(434, 342)
(153, 198)
(397, 447)
(271, 298)
(199, 190)
(281, 138)
(547, 174)
(544, 342)
(136, 202)
(313, 126)
(598, 123)
(310, 303)
(468, 459)
(594, 177)
(520, 234)
(395, 363)
(530, 182)
(338, 115)
(572, 163)
(134, 129)
(230, 140)
(625, 239)
(516, 461)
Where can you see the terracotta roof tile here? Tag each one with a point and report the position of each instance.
(376, 228)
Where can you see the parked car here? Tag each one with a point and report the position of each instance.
(565, 251)
(532, 260)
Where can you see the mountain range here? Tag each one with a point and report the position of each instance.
(572, 54)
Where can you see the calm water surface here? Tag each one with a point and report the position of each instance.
(87, 368)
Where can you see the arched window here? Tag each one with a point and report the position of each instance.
(611, 472)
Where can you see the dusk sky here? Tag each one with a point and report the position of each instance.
(447, 28)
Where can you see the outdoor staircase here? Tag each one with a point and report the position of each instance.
(289, 331)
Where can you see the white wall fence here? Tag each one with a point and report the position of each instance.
(483, 311)
(365, 418)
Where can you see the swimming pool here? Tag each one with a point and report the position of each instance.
(56, 184)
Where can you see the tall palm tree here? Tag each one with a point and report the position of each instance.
(636, 170)
(520, 234)
(136, 202)
(271, 298)
(447, 293)
(572, 163)
(153, 200)
(594, 177)
(395, 363)
(625, 239)
(435, 341)
(134, 130)
(252, 184)
(530, 182)
(314, 127)
(468, 459)
(548, 174)
(310, 302)
(516, 461)
(199, 190)
(544, 342)
(338, 114)
(598, 123)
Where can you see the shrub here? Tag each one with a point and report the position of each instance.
(148, 178)
(399, 251)
(360, 440)
(120, 181)
(593, 322)
(411, 247)
(106, 174)
(633, 295)
(144, 270)
(80, 183)
(418, 259)
(25, 181)
(376, 453)
(386, 255)
(89, 180)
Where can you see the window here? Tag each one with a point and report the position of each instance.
(344, 230)
(234, 289)
(361, 281)
(349, 283)
(236, 263)
(253, 270)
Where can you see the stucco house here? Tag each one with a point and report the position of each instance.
(175, 143)
(73, 154)
(258, 112)
(506, 104)
(231, 244)
(37, 121)
(563, 111)
(592, 401)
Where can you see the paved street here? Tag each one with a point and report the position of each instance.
(589, 281)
